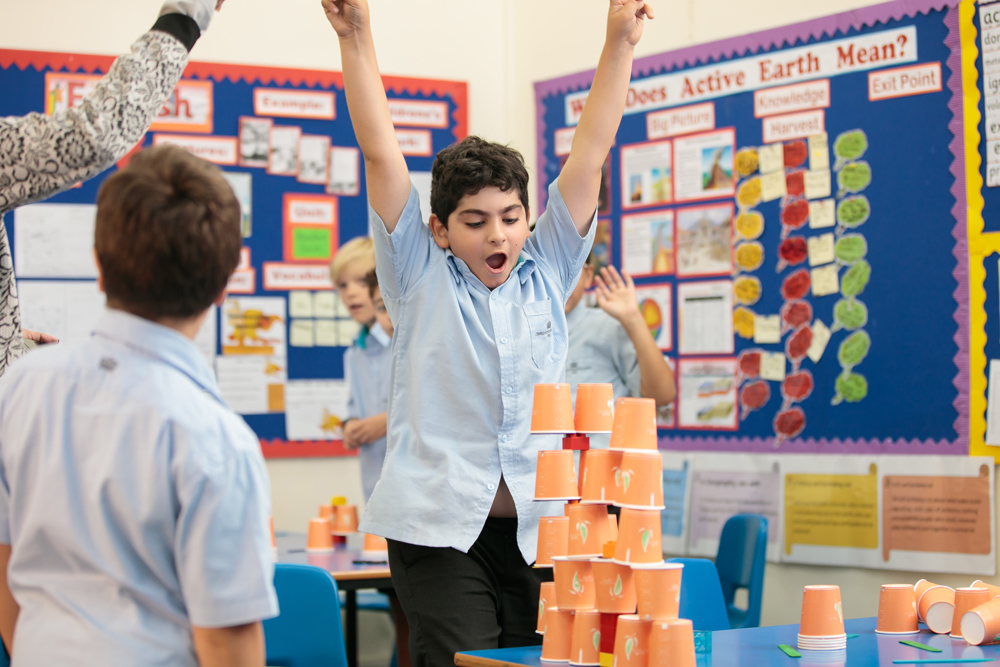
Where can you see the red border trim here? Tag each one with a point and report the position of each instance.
(295, 449)
(736, 389)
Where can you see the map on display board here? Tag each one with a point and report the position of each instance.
(285, 143)
(796, 200)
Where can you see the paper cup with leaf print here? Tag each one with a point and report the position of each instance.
(897, 610)
(555, 478)
(574, 583)
(613, 522)
(595, 408)
(635, 425)
(589, 529)
(558, 638)
(614, 586)
(553, 539)
(639, 538)
(822, 612)
(967, 599)
(993, 590)
(546, 600)
(671, 643)
(632, 641)
(937, 609)
(586, 643)
(345, 520)
(658, 590)
(597, 476)
(319, 537)
(641, 480)
(552, 409)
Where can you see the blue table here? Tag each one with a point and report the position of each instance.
(758, 647)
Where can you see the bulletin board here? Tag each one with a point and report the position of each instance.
(794, 205)
(283, 138)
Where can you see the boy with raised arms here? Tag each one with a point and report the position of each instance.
(478, 308)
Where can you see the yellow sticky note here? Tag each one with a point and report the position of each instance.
(324, 304)
(817, 184)
(772, 366)
(300, 304)
(821, 249)
(301, 333)
(832, 510)
(821, 336)
(326, 333)
(767, 329)
(772, 186)
(771, 158)
(825, 280)
(822, 214)
(819, 151)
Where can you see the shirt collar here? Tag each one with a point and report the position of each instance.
(156, 340)
(379, 334)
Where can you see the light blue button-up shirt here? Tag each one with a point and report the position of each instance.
(366, 370)
(464, 366)
(135, 503)
(600, 351)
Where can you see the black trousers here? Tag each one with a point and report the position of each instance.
(487, 598)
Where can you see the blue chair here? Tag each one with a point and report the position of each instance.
(308, 632)
(701, 595)
(740, 562)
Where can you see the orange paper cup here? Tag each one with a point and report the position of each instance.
(635, 424)
(325, 512)
(920, 588)
(595, 408)
(586, 643)
(979, 583)
(641, 481)
(574, 583)
(597, 475)
(613, 521)
(937, 608)
(553, 539)
(897, 610)
(981, 625)
(822, 612)
(546, 600)
(614, 586)
(345, 520)
(552, 409)
(555, 478)
(639, 538)
(270, 522)
(319, 538)
(658, 590)
(374, 544)
(558, 638)
(589, 529)
(671, 643)
(632, 641)
(967, 599)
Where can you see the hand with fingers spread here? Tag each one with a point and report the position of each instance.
(346, 16)
(625, 20)
(616, 294)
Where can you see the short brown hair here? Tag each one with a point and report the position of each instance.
(469, 166)
(167, 234)
(371, 280)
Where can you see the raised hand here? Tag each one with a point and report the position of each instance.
(346, 16)
(625, 20)
(616, 294)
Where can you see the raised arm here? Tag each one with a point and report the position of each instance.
(385, 168)
(580, 179)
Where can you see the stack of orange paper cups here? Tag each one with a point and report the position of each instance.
(821, 627)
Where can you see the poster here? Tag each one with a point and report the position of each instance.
(66, 309)
(255, 141)
(704, 315)
(704, 240)
(55, 241)
(242, 185)
(676, 489)
(315, 409)
(706, 394)
(254, 325)
(313, 159)
(283, 156)
(646, 174)
(656, 303)
(648, 243)
(703, 165)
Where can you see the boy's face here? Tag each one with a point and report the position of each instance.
(354, 293)
(487, 231)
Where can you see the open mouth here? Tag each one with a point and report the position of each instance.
(496, 262)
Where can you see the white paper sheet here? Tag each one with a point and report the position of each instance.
(648, 243)
(315, 409)
(242, 185)
(343, 172)
(326, 333)
(645, 171)
(707, 394)
(656, 305)
(705, 311)
(703, 165)
(66, 309)
(325, 304)
(313, 158)
(822, 214)
(243, 383)
(301, 334)
(54, 241)
(254, 325)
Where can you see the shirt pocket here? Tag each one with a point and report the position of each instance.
(547, 344)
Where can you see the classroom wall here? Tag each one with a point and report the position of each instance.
(500, 47)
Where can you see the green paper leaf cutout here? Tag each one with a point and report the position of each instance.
(856, 279)
(616, 591)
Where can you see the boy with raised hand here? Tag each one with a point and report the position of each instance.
(478, 309)
(133, 503)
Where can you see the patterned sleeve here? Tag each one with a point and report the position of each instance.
(43, 155)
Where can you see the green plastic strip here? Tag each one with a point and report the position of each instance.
(789, 651)
(922, 647)
(852, 636)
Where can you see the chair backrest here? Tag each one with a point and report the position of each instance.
(701, 595)
(308, 632)
(740, 561)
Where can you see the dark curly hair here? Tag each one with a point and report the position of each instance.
(469, 166)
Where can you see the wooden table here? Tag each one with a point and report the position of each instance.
(758, 647)
(350, 576)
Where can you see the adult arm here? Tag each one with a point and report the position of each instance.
(9, 608)
(237, 646)
(580, 179)
(386, 174)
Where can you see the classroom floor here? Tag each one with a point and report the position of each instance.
(376, 639)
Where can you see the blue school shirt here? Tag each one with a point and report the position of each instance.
(366, 369)
(600, 351)
(464, 364)
(135, 503)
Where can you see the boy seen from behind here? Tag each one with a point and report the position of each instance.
(477, 305)
(134, 504)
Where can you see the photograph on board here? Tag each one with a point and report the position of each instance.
(313, 154)
(704, 240)
(648, 243)
(284, 157)
(242, 185)
(255, 141)
(646, 174)
(656, 303)
(707, 394)
(703, 165)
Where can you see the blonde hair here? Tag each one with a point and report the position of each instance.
(360, 250)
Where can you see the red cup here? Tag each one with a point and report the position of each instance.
(553, 539)
(897, 610)
(558, 638)
(632, 641)
(671, 644)
(574, 583)
(967, 599)
(614, 586)
(658, 590)
(546, 600)
(586, 642)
